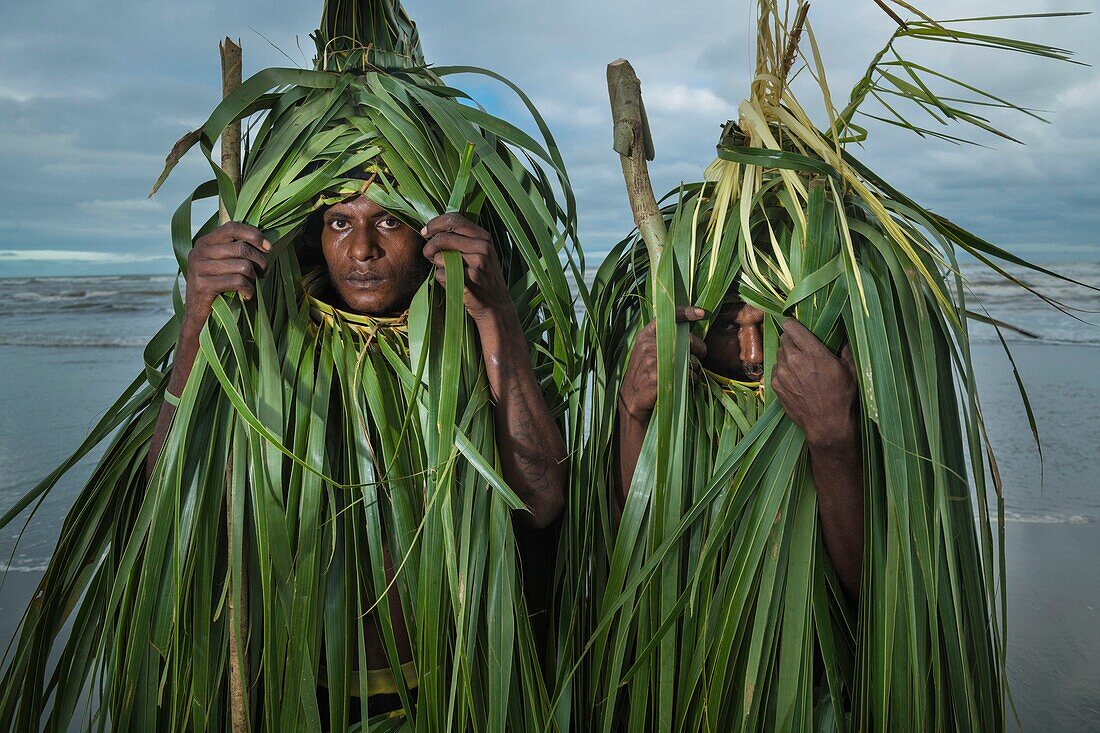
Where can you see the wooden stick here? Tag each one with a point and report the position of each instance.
(634, 144)
(792, 46)
(238, 597)
(897, 18)
(231, 136)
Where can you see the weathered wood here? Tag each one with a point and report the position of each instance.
(238, 597)
(634, 144)
(231, 137)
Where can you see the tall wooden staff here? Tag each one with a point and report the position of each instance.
(238, 596)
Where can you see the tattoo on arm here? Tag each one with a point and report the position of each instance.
(527, 450)
(530, 445)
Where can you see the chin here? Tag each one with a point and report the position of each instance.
(368, 304)
(388, 298)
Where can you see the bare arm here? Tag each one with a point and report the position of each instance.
(226, 260)
(637, 398)
(631, 430)
(532, 452)
(183, 359)
(837, 470)
(818, 392)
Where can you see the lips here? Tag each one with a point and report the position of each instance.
(364, 280)
(753, 372)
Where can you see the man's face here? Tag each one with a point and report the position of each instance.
(735, 342)
(374, 259)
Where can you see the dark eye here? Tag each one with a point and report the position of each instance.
(389, 222)
(339, 224)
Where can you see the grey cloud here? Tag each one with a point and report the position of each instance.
(92, 95)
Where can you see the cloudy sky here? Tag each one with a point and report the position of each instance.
(94, 92)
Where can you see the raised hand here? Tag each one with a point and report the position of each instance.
(638, 393)
(817, 390)
(485, 291)
(226, 260)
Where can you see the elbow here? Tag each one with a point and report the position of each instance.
(550, 501)
(544, 516)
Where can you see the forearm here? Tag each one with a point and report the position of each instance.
(838, 476)
(631, 433)
(532, 452)
(183, 360)
(227, 259)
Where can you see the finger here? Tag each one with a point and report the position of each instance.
(779, 381)
(689, 313)
(234, 251)
(697, 347)
(787, 342)
(471, 263)
(208, 269)
(234, 283)
(477, 269)
(205, 268)
(239, 232)
(453, 222)
(456, 242)
(684, 314)
(441, 275)
(798, 334)
(218, 268)
(207, 259)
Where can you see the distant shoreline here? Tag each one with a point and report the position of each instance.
(58, 276)
(594, 258)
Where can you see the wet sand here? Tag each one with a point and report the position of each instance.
(51, 398)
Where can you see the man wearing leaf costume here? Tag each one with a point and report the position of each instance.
(760, 569)
(374, 264)
(366, 398)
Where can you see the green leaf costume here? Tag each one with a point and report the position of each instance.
(716, 606)
(323, 436)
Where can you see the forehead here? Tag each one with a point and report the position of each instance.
(732, 295)
(358, 206)
(730, 307)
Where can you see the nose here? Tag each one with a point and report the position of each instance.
(362, 245)
(750, 338)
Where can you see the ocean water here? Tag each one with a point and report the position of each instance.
(83, 312)
(991, 293)
(69, 345)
